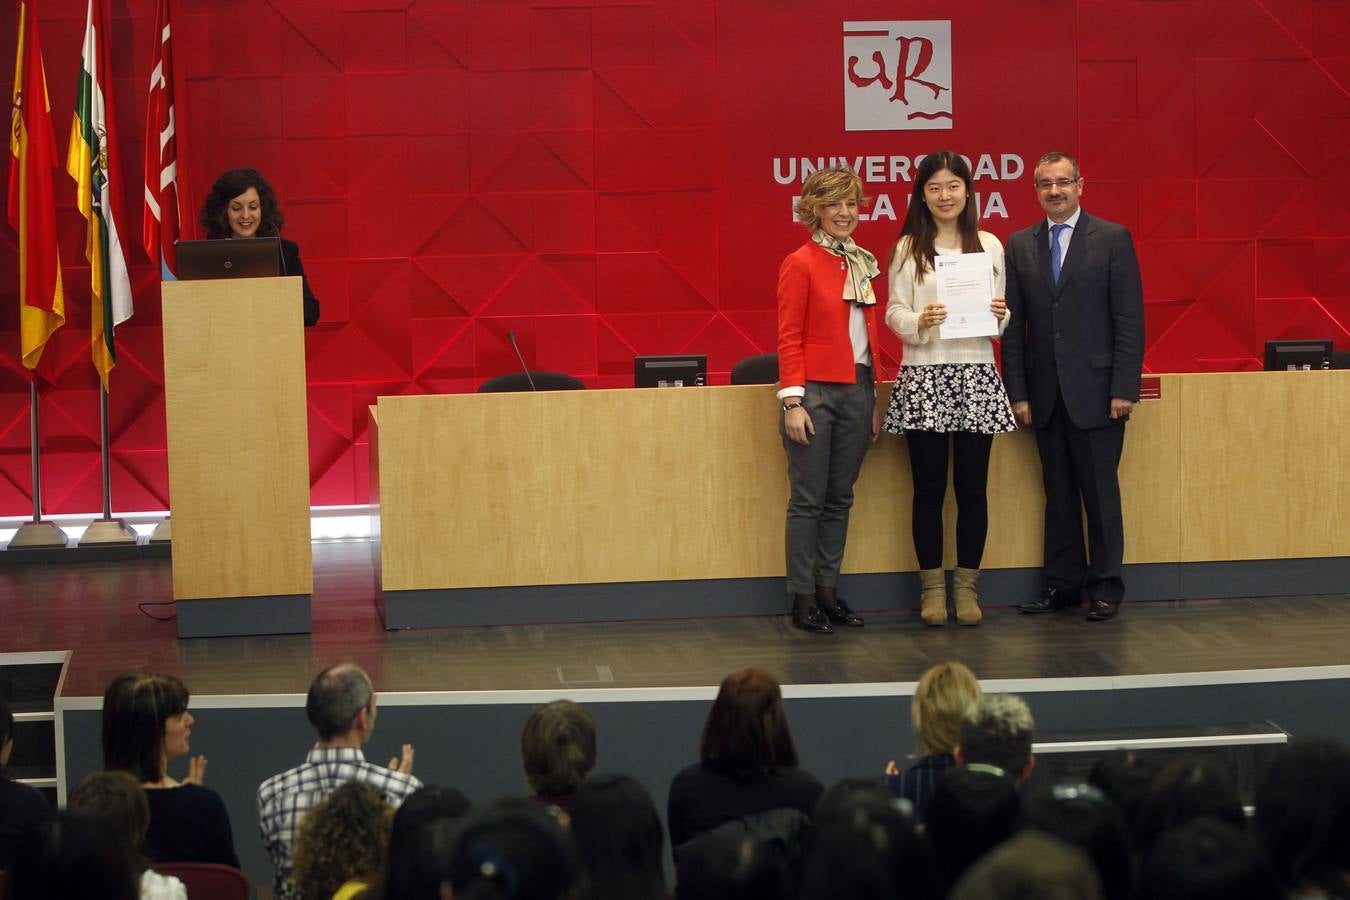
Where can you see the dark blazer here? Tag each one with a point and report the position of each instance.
(1082, 337)
(291, 265)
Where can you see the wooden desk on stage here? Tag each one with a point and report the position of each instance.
(585, 505)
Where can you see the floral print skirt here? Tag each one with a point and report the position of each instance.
(949, 397)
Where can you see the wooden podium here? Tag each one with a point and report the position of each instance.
(234, 392)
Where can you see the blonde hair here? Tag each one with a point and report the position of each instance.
(946, 692)
(825, 186)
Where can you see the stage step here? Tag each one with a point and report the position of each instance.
(28, 682)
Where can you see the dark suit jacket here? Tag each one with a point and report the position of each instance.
(1082, 337)
(291, 265)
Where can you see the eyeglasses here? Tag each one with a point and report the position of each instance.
(1046, 184)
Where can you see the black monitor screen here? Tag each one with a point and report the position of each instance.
(670, 371)
(229, 258)
(1297, 355)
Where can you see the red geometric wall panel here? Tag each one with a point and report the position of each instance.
(602, 180)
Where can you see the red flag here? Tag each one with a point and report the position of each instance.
(32, 207)
(166, 197)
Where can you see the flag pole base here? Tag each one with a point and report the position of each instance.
(108, 532)
(37, 534)
(163, 532)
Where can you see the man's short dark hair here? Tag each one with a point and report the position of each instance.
(337, 694)
(997, 732)
(1055, 156)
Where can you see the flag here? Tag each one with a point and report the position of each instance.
(31, 208)
(90, 162)
(166, 200)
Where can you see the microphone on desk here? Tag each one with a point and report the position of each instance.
(511, 336)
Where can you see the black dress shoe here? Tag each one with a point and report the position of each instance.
(1101, 610)
(839, 613)
(811, 619)
(1050, 600)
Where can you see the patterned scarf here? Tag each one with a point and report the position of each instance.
(862, 267)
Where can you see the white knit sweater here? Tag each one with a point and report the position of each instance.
(907, 300)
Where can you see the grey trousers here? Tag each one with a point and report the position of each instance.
(821, 475)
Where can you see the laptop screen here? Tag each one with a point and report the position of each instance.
(229, 258)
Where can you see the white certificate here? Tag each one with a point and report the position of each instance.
(965, 285)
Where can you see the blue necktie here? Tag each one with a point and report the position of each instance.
(1055, 232)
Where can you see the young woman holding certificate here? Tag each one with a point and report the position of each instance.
(948, 392)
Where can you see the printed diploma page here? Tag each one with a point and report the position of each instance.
(965, 285)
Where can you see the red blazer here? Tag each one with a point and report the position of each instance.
(813, 340)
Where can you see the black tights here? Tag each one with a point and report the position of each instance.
(928, 462)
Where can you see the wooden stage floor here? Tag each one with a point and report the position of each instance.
(92, 610)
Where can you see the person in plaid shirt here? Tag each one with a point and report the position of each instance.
(341, 707)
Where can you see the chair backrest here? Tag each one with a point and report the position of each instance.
(208, 881)
(1340, 359)
(512, 382)
(761, 369)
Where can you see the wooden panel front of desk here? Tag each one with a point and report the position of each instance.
(234, 388)
(597, 487)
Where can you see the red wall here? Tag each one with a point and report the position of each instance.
(600, 179)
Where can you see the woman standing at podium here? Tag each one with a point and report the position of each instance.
(827, 329)
(241, 205)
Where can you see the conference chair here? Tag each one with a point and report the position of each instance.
(512, 382)
(208, 881)
(1340, 359)
(761, 369)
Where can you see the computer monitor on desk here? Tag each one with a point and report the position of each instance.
(670, 371)
(1297, 355)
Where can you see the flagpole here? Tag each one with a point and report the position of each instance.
(36, 533)
(106, 530)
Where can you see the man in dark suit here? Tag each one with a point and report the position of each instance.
(1072, 357)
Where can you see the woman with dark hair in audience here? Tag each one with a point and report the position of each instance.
(21, 806)
(424, 829)
(145, 725)
(557, 747)
(1081, 815)
(1187, 788)
(1206, 859)
(941, 699)
(863, 846)
(242, 205)
(1303, 817)
(619, 838)
(1124, 777)
(747, 762)
(119, 800)
(513, 850)
(73, 856)
(972, 811)
(729, 866)
(341, 843)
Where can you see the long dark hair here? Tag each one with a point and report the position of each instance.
(619, 837)
(215, 219)
(135, 708)
(919, 225)
(747, 731)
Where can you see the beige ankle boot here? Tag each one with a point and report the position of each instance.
(966, 597)
(934, 603)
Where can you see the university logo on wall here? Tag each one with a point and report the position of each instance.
(897, 76)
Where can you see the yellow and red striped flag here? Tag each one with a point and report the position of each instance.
(32, 208)
(90, 162)
(166, 198)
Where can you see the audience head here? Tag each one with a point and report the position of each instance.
(557, 747)
(118, 798)
(1031, 866)
(945, 692)
(1081, 815)
(343, 838)
(997, 731)
(1303, 815)
(971, 812)
(341, 704)
(722, 865)
(864, 847)
(424, 829)
(513, 850)
(1206, 859)
(73, 856)
(619, 838)
(234, 184)
(747, 729)
(1187, 788)
(823, 187)
(1124, 776)
(145, 724)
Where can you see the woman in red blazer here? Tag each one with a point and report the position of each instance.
(827, 327)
